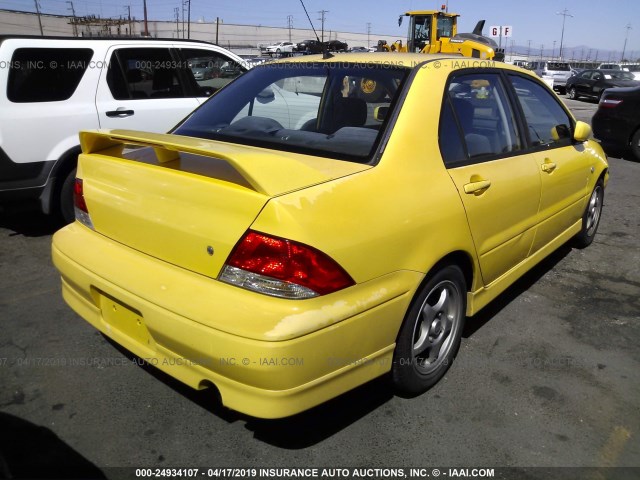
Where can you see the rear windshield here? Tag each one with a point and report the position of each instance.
(562, 67)
(331, 110)
(619, 75)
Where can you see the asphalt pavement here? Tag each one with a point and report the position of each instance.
(547, 376)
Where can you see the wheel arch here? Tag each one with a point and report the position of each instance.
(65, 164)
(459, 258)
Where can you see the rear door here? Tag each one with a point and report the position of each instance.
(499, 185)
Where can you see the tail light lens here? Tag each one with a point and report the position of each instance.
(282, 268)
(79, 204)
(610, 102)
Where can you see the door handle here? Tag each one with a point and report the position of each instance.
(477, 187)
(548, 167)
(120, 113)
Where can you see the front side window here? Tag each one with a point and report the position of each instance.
(46, 74)
(484, 115)
(548, 123)
(211, 70)
(336, 111)
(144, 73)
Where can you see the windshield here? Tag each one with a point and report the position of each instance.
(332, 110)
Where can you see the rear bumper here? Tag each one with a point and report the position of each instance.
(611, 130)
(315, 350)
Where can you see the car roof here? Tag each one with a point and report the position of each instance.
(406, 60)
(104, 39)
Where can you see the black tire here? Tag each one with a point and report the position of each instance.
(635, 145)
(573, 95)
(65, 200)
(429, 337)
(591, 217)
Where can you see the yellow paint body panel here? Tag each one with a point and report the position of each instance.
(145, 278)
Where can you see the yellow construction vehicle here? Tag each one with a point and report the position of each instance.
(434, 31)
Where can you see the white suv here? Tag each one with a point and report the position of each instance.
(50, 88)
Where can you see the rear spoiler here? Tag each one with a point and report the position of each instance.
(267, 172)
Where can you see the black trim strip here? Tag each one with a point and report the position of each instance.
(15, 176)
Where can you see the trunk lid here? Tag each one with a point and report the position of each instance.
(185, 200)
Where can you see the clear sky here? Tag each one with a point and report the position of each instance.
(595, 24)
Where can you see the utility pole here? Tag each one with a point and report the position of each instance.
(176, 10)
(368, 34)
(189, 19)
(73, 14)
(146, 25)
(217, 28)
(128, 7)
(628, 27)
(322, 15)
(541, 49)
(39, 19)
(553, 52)
(565, 13)
(289, 24)
(529, 49)
(183, 9)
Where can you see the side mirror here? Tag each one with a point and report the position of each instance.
(380, 113)
(267, 95)
(207, 91)
(582, 131)
(560, 131)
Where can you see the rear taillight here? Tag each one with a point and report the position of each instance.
(282, 268)
(609, 102)
(79, 205)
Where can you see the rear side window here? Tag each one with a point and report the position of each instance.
(484, 115)
(46, 74)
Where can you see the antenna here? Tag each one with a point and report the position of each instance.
(325, 54)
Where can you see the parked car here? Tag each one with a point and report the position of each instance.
(634, 68)
(203, 69)
(56, 86)
(558, 71)
(616, 123)
(280, 49)
(309, 46)
(591, 83)
(358, 49)
(261, 250)
(611, 66)
(336, 46)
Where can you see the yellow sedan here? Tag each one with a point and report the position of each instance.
(320, 222)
